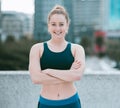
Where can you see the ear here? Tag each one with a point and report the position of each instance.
(67, 28)
(48, 28)
(48, 25)
(66, 32)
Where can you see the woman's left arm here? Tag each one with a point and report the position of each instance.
(77, 68)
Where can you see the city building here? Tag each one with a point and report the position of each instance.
(0, 21)
(114, 15)
(42, 8)
(112, 25)
(86, 17)
(16, 24)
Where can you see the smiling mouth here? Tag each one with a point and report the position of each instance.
(58, 33)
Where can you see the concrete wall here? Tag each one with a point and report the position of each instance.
(96, 90)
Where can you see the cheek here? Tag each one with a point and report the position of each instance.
(65, 29)
(50, 29)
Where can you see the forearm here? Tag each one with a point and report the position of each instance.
(43, 78)
(49, 79)
(66, 75)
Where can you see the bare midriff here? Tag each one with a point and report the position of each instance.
(58, 91)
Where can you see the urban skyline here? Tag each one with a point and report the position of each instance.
(97, 15)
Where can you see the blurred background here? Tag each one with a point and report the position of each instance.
(95, 24)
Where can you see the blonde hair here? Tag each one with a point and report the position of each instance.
(58, 10)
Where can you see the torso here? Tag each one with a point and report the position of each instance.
(58, 91)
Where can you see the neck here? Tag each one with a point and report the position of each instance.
(57, 42)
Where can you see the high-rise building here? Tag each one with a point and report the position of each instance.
(16, 24)
(115, 9)
(0, 21)
(42, 8)
(114, 14)
(85, 15)
(113, 19)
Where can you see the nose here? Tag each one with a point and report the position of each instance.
(57, 28)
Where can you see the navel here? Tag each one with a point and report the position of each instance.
(58, 95)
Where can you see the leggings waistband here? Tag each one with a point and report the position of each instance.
(69, 100)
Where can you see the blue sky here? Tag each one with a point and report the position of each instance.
(26, 6)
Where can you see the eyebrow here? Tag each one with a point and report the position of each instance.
(55, 22)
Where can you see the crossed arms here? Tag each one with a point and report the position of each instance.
(54, 76)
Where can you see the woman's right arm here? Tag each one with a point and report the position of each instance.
(37, 75)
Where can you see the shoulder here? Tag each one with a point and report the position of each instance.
(36, 46)
(77, 47)
(36, 49)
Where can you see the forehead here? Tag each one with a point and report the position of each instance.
(57, 18)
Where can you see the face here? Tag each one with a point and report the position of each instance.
(58, 26)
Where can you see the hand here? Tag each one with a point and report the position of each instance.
(76, 64)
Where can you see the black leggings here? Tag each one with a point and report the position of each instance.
(72, 102)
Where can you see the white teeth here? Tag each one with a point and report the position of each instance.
(58, 33)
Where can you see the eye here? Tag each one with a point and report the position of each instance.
(61, 24)
(53, 24)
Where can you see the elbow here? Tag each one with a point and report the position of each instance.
(79, 74)
(78, 77)
(35, 81)
(33, 78)
(75, 77)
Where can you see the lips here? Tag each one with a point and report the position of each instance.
(57, 33)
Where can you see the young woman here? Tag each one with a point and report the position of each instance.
(56, 64)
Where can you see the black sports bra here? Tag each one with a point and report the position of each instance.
(56, 60)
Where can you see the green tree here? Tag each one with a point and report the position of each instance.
(86, 42)
(15, 55)
(113, 51)
(10, 38)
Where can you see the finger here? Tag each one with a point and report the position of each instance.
(76, 66)
(77, 61)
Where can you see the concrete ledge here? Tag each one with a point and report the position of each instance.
(96, 90)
